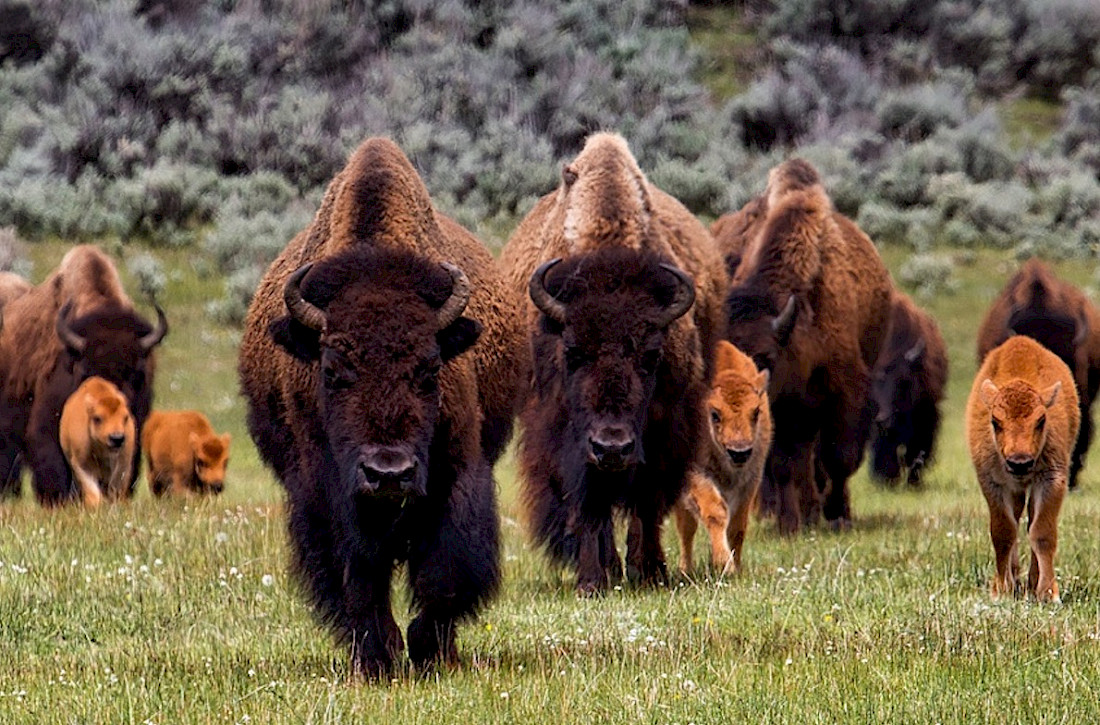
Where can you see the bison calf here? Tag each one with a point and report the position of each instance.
(183, 453)
(723, 491)
(1022, 419)
(97, 438)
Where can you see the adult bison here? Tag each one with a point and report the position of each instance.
(1036, 303)
(76, 324)
(909, 382)
(810, 302)
(380, 423)
(615, 412)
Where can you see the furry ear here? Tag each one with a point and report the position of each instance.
(457, 337)
(762, 381)
(916, 353)
(1049, 395)
(226, 438)
(988, 392)
(192, 438)
(300, 341)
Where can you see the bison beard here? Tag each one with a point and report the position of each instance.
(387, 469)
(612, 425)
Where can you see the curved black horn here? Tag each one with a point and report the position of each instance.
(304, 312)
(913, 353)
(460, 295)
(682, 300)
(784, 322)
(1082, 330)
(68, 336)
(153, 338)
(541, 297)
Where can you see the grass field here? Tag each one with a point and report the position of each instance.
(170, 612)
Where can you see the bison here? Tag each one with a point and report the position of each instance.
(723, 489)
(909, 382)
(76, 324)
(1022, 418)
(11, 287)
(614, 413)
(810, 302)
(1060, 317)
(97, 437)
(379, 420)
(183, 455)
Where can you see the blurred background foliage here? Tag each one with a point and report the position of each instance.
(215, 124)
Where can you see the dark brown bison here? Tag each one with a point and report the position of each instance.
(615, 413)
(810, 302)
(1036, 303)
(377, 421)
(78, 323)
(909, 382)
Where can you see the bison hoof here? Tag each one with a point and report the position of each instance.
(431, 642)
(842, 523)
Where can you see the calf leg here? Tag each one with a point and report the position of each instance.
(686, 526)
(739, 524)
(89, 486)
(1004, 517)
(1042, 534)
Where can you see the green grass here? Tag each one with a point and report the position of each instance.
(174, 611)
(1029, 121)
(730, 51)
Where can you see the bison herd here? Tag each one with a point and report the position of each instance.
(655, 366)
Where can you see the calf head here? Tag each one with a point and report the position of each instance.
(109, 422)
(115, 344)
(893, 388)
(759, 327)
(377, 327)
(737, 400)
(605, 319)
(211, 455)
(1018, 416)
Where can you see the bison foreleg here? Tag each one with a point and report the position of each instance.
(89, 486)
(1004, 517)
(52, 483)
(645, 559)
(374, 635)
(1042, 533)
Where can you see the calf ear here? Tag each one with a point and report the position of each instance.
(300, 341)
(1051, 394)
(457, 337)
(762, 381)
(988, 392)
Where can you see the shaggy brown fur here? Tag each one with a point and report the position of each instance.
(183, 453)
(97, 436)
(724, 489)
(39, 371)
(604, 204)
(910, 381)
(1021, 421)
(810, 302)
(1036, 303)
(11, 286)
(379, 423)
(733, 231)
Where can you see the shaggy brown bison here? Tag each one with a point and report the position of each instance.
(909, 382)
(97, 436)
(12, 286)
(810, 302)
(615, 413)
(78, 323)
(1021, 422)
(183, 454)
(1036, 303)
(378, 422)
(724, 486)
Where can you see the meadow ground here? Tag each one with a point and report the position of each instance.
(170, 612)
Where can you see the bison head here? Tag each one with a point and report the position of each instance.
(892, 389)
(115, 344)
(1063, 334)
(377, 327)
(109, 420)
(1018, 416)
(211, 454)
(605, 318)
(758, 327)
(737, 400)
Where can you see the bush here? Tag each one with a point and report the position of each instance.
(928, 275)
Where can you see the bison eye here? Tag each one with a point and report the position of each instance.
(1041, 424)
(650, 360)
(996, 426)
(755, 416)
(575, 358)
(336, 371)
(715, 417)
(96, 420)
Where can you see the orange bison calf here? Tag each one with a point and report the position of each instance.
(97, 438)
(183, 453)
(1022, 419)
(723, 490)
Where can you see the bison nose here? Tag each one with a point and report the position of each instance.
(115, 440)
(216, 487)
(739, 455)
(611, 447)
(387, 470)
(1020, 464)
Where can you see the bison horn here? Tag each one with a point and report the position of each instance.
(72, 340)
(913, 353)
(153, 338)
(783, 322)
(1082, 330)
(545, 301)
(304, 312)
(460, 295)
(682, 300)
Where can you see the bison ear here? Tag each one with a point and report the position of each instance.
(1051, 394)
(226, 438)
(988, 392)
(457, 337)
(762, 381)
(300, 341)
